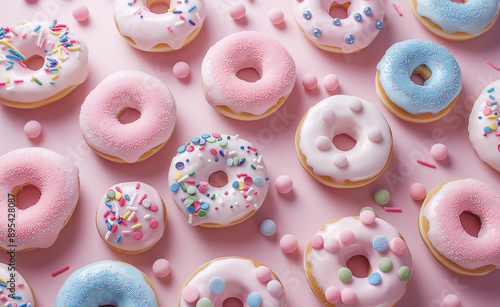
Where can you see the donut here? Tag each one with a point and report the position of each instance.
(243, 279)
(65, 64)
(218, 180)
(456, 21)
(170, 31)
(107, 282)
(442, 231)
(347, 35)
(352, 116)
(240, 99)
(408, 100)
(17, 291)
(131, 217)
(135, 141)
(37, 226)
(483, 126)
(326, 262)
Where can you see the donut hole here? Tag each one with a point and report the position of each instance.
(471, 223)
(128, 115)
(344, 142)
(158, 6)
(248, 74)
(34, 62)
(26, 196)
(458, 1)
(339, 10)
(359, 266)
(420, 74)
(218, 179)
(232, 302)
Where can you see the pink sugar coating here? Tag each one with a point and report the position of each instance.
(347, 237)
(288, 244)
(32, 129)
(439, 151)
(263, 274)
(81, 12)
(417, 191)
(367, 217)
(181, 70)
(161, 268)
(237, 10)
(190, 294)
(397, 246)
(309, 81)
(331, 82)
(276, 16)
(451, 300)
(317, 242)
(332, 294)
(348, 296)
(283, 184)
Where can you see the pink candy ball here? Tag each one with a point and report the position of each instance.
(451, 300)
(367, 217)
(331, 82)
(288, 243)
(181, 70)
(161, 268)
(417, 191)
(276, 16)
(237, 11)
(439, 151)
(81, 12)
(309, 81)
(283, 184)
(32, 129)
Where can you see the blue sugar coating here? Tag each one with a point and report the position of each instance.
(438, 91)
(106, 282)
(471, 17)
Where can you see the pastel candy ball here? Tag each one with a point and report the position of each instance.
(263, 274)
(216, 285)
(268, 228)
(237, 11)
(397, 246)
(32, 129)
(367, 217)
(190, 294)
(382, 196)
(181, 70)
(309, 81)
(380, 243)
(404, 273)
(347, 237)
(417, 191)
(81, 12)
(439, 151)
(288, 243)
(161, 268)
(254, 299)
(331, 82)
(332, 294)
(345, 275)
(274, 287)
(276, 16)
(451, 300)
(283, 184)
(348, 296)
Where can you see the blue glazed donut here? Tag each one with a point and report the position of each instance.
(408, 100)
(456, 21)
(107, 282)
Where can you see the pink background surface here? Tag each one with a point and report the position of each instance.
(303, 211)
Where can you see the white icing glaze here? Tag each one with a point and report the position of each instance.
(326, 264)
(228, 204)
(148, 29)
(64, 66)
(240, 279)
(483, 125)
(142, 205)
(14, 281)
(331, 35)
(355, 117)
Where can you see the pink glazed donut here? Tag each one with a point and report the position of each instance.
(135, 141)
(237, 98)
(37, 226)
(442, 231)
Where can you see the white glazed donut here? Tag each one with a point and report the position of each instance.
(165, 32)
(348, 35)
(247, 280)
(65, 64)
(327, 253)
(352, 116)
(11, 279)
(235, 197)
(483, 125)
